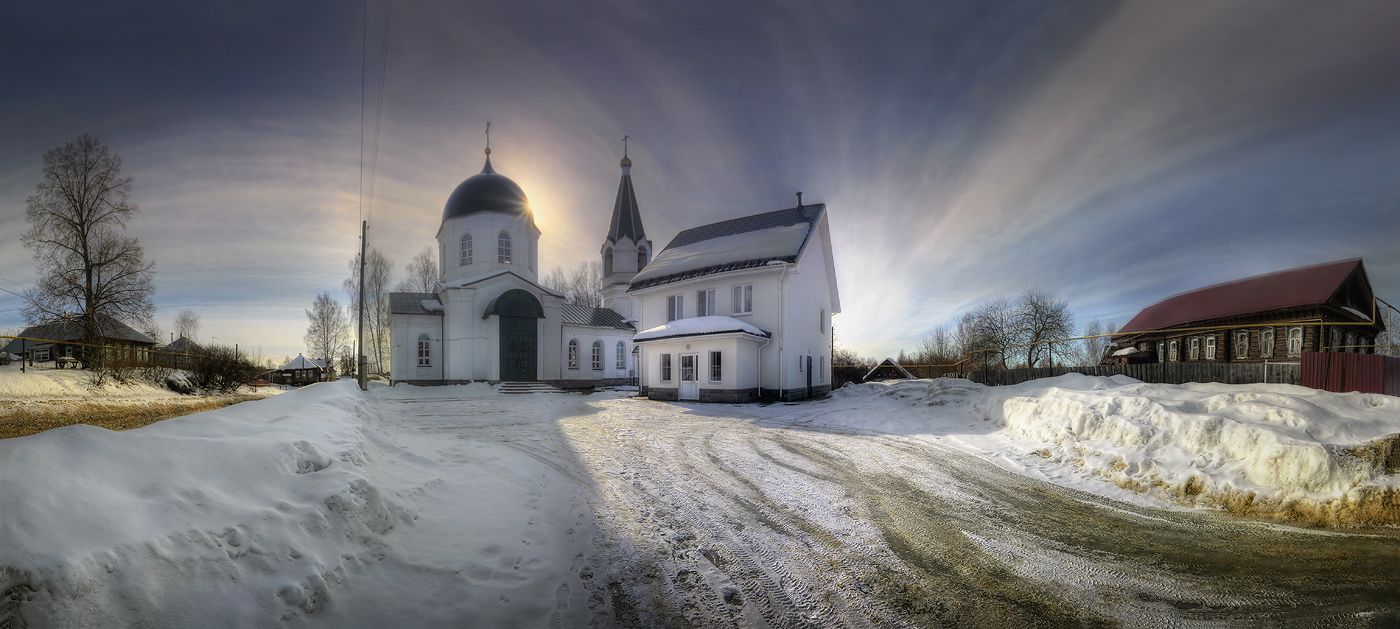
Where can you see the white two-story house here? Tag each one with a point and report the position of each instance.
(739, 310)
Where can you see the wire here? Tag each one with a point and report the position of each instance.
(379, 106)
(364, 37)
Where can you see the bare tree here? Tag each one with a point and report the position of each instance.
(186, 324)
(328, 328)
(1388, 342)
(422, 273)
(1094, 348)
(582, 286)
(937, 348)
(89, 270)
(378, 272)
(996, 330)
(1042, 318)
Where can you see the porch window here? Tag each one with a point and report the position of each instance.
(425, 351)
(573, 353)
(1266, 343)
(466, 256)
(1210, 347)
(621, 355)
(503, 248)
(1194, 353)
(742, 299)
(716, 369)
(597, 355)
(1242, 344)
(675, 307)
(1295, 342)
(665, 367)
(705, 302)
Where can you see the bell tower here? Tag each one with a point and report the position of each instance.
(626, 249)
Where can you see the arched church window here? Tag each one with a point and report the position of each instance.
(607, 261)
(598, 355)
(573, 353)
(621, 355)
(466, 250)
(503, 248)
(641, 258)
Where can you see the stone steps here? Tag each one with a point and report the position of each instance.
(519, 388)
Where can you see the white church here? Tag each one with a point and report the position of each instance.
(732, 311)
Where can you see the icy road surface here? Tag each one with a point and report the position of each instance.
(724, 515)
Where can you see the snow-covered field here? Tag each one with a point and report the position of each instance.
(918, 503)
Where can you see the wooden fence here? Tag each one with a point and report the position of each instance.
(1164, 373)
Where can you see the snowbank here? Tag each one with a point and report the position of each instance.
(1275, 450)
(46, 383)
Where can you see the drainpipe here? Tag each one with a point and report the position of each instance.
(782, 321)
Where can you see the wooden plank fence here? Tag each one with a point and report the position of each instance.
(1163, 373)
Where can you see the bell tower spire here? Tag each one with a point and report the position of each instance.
(626, 248)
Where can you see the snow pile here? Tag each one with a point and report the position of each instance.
(763, 244)
(48, 383)
(1275, 450)
(694, 326)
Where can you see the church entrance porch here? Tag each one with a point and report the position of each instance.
(519, 349)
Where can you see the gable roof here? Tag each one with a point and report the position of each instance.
(889, 362)
(70, 329)
(1290, 288)
(302, 362)
(182, 345)
(739, 243)
(411, 303)
(595, 317)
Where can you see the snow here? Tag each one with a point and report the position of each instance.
(1199, 444)
(432, 304)
(1125, 351)
(1361, 315)
(775, 242)
(692, 326)
(47, 383)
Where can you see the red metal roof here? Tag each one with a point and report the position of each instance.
(1290, 288)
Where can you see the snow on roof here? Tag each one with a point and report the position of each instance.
(301, 362)
(1360, 315)
(411, 303)
(698, 326)
(432, 304)
(740, 243)
(1125, 351)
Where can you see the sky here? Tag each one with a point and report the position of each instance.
(1110, 153)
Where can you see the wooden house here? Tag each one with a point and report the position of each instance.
(1273, 317)
(301, 370)
(62, 342)
(888, 369)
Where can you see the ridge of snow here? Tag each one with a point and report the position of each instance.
(694, 326)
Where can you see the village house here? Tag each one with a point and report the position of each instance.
(1273, 317)
(301, 370)
(61, 342)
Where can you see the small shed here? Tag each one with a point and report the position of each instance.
(301, 370)
(888, 369)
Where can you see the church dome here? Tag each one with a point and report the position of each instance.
(488, 191)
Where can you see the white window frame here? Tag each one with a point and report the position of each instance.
(1194, 348)
(503, 247)
(1295, 333)
(465, 254)
(675, 308)
(573, 354)
(705, 302)
(666, 371)
(425, 351)
(1173, 351)
(1242, 344)
(1351, 342)
(742, 299)
(621, 361)
(597, 355)
(1210, 347)
(716, 365)
(1266, 343)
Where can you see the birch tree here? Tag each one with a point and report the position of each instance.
(378, 272)
(422, 273)
(328, 328)
(187, 324)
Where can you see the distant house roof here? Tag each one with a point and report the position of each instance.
(888, 364)
(1290, 288)
(72, 330)
(302, 362)
(412, 303)
(595, 317)
(182, 345)
(740, 243)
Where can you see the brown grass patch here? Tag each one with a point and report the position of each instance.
(29, 418)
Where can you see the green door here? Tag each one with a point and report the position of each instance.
(518, 349)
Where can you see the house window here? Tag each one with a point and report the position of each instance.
(716, 369)
(1336, 336)
(1194, 353)
(705, 302)
(675, 307)
(665, 367)
(1242, 344)
(641, 258)
(1266, 343)
(503, 248)
(821, 321)
(1351, 342)
(1172, 350)
(597, 355)
(1210, 347)
(466, 250)
(743, 299)
(621, 355)
(1295, 342)
(1161, 349)
(573, 353)
(425, 351)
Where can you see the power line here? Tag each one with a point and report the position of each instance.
(364, 37)
(379, 106)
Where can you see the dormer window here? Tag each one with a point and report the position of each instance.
(503, 248)
(466, 250)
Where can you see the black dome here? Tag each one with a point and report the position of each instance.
(486, 192)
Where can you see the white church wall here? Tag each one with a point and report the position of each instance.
(586, 335)
(485, 229)
(404, 332)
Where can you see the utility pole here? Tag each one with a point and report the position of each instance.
(360, 338)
